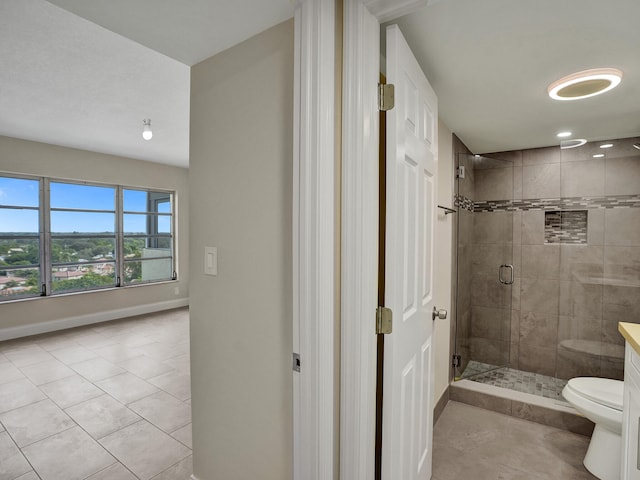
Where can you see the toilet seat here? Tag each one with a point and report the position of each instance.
(604, 391)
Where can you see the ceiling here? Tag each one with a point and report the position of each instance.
(490, 63)
(85, 73)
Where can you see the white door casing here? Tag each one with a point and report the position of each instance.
(314, 253)
(411, 201)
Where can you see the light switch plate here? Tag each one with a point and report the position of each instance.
(211, 261)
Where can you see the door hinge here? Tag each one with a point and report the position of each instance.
(296, 362)
(456, 361)
(386, 97)
(384, 320)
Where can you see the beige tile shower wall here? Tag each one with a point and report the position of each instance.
(567, 299)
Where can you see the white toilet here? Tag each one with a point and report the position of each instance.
(600, 400)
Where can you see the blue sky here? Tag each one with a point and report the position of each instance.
(25, 193)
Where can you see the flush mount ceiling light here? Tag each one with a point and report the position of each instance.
(606, 145)
(598, 155)
(147, 134)
(585, 84)
(564, 134)
(577, 142)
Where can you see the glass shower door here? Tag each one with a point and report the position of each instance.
(485, 265)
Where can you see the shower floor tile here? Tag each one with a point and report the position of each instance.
(525, 382)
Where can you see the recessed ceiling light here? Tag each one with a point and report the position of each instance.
(606, 145)
(585, 84)
(598, 155)
(564, 134)
(576, 142)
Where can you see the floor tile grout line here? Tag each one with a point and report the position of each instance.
(173, 350)
(22, 453)
(110, 466)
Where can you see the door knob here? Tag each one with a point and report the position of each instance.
(441, 314)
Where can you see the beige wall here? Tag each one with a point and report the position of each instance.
(240, 181)
(43, 314)
(443, 267)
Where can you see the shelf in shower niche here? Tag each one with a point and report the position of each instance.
(593, 348)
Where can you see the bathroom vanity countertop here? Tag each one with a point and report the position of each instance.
(631, 333)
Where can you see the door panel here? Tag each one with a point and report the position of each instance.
(407, 425)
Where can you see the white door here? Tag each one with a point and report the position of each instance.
(407, 423)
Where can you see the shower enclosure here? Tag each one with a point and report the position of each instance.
(548, 263)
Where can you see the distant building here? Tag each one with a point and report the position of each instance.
(67, 274)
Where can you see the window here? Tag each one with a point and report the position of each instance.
(59, 237)
(147, 236)
(83, 237)
(20, 238)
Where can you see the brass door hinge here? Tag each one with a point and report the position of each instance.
(386, 97)
(384, 320)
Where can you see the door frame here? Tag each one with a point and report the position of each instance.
(317, 424)
(313, 243)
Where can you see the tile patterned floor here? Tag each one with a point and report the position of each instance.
(525, 382)
(472, 443)
(109, 401)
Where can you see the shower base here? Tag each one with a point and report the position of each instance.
(526, 395)
(512, 379)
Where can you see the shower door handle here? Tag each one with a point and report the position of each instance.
(501, 278)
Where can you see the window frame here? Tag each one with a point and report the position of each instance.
(45, 236)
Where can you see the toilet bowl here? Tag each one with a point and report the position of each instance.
(600, 400)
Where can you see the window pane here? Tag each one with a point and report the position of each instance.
(19, 283)
(142, 247)
(164, 207)
(164, 242)
(82, 222)
(148, 270)
(15, 222)
(83, 277)
(135, 224)
(19, 192)
(82, 249)
(21, 251)
(134, 200)
(133, 247)
(164, 224)
(86, 197)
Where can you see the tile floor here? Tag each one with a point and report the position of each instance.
(504, 377)
(109, 401)
(472, 443)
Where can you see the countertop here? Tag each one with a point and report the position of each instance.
(631, 333)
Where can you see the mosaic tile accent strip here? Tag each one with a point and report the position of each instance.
(463, 202)
(525, 382)
(567, 227)
(566, 203)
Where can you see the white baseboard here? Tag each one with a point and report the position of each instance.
(81, 320)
